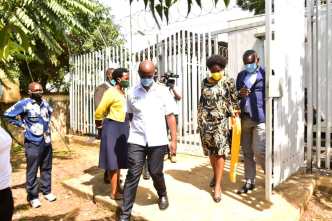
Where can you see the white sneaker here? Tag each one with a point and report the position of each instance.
(35, 203)
(50, 197)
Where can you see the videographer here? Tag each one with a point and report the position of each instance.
(169, 79)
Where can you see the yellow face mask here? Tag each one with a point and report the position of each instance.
(217, 75)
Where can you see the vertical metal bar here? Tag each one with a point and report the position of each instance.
(72, 101)
(166, 55)
(189, 83)
(268, 53)
(328, 85)
(81, 95)
(88, 91)
(200, 72)
(318, 122)
(85, 95)
(76, 92)
(185, 83)
(117, 56)
(310, 84)
(194, 74)
(169, 57)
(200, 64)
(178, 70)
(93, 88)
(121, 57)
(215, 45)
(79, 82)
(209, 42)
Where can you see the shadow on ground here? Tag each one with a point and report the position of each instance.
(144, 195)
(255, 200)
(69, 216)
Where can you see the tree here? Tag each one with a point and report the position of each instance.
(258, 6)
(52, 67)
(36, 37)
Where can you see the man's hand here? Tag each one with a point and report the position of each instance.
(23, 128)
(98, 136)
(244, 92)
(173, 147)
(98, 123)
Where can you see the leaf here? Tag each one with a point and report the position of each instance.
(225, 1)
(159, 10)
(199, 3)
(189, 2)
(166, 12)
(168, 3)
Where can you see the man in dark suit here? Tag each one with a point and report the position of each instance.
(251, 86)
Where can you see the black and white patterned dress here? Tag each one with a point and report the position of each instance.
(216, 104)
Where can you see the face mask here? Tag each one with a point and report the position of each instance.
(124, 83)
(217, 75)
(111, 82)
(147, 82)
(36, 96)
(251, 68)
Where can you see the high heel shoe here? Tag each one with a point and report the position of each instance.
(217, 199)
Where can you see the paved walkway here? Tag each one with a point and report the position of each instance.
(190, 195)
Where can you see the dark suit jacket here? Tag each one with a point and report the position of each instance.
(257, 95)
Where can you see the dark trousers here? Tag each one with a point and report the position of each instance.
(6, 204)
(136, 158)
(38, 156)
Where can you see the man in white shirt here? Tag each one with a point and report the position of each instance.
(148, 104)
(6, 197)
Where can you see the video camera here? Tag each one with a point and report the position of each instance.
(168, 78)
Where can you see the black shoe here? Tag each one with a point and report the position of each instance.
(106, 177)
(163, 202)
(212, 182)
(246, 188)
(146, 174)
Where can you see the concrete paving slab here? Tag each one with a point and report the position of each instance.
(190, 196)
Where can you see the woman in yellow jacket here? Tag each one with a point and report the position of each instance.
(111, 116)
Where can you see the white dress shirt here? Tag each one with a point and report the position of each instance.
(5, 167)
(149, 108)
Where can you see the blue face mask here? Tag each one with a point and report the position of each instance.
(251, 68)
(147, 82)
(113, 82)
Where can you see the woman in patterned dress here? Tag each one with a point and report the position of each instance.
(218, 101)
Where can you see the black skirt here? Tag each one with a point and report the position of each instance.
(113, 146)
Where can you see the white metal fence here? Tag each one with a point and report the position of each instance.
(319, 83)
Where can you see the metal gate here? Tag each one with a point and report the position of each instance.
(319, 83)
